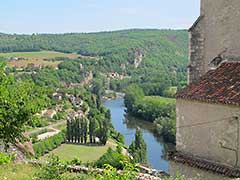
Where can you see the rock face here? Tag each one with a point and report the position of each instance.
(19, 150)
(138, 57)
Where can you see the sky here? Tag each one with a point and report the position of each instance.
(61, 16)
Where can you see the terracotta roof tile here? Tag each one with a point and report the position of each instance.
(195, 162)
(216, 86)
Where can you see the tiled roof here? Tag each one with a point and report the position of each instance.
(204, 165)
(216, 86)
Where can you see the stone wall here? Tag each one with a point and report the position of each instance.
(196, 50)
(217, 33)
(209, 131)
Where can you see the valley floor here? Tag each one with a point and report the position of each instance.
(85, 153)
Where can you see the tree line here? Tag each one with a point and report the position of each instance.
(83, 130)
(160, 111)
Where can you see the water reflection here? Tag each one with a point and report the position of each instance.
(133, 123)
(127, 125)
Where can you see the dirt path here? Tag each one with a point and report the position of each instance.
(51, 126)
(48, 134)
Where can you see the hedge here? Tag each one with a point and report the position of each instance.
(47, 145)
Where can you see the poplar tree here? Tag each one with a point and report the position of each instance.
(72, 131)
(78, 130)
(85, 130)
(138, 148)
(82, 131)
(92, 127)
(68, 130)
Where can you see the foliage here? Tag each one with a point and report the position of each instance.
(151, 107)
(5, 158)
(77, 130)
(138, 148)
(117, 136)
(132, 96)
(129, 172)
(53, 170)
(164, 53)
(47, 145)
(147, 107)
(166, 127)
(113, 158)
(19, 101)
(159, 110)
(102, 132)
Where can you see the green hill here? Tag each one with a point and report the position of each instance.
(145, 55)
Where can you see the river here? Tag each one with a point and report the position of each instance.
(127, 126)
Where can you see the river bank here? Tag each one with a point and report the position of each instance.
(109, 94)
(127, 125)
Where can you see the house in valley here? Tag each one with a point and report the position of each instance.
(208, 109)
(49, 113)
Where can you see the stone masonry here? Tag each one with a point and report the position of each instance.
(215, 33)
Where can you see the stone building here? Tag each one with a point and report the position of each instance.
(215, 35)
(208, 109)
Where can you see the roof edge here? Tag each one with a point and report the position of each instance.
(203, 164)
(196, 23)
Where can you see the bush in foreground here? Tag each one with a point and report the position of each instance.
(5, 158)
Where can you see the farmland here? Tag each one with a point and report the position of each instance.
(37, 59)
(38, 55)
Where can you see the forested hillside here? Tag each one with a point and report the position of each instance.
(147, 56)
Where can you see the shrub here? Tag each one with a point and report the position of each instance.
(113, 158)
(46, 145)
(5, 158)
(53, 170)
(129, 172)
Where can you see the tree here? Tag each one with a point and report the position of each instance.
(92, 128)
(132, 94)
(102, 132)
(138, 148)
(19, 101)
(78, 130)
(52, 170)
(81, 130)
(85, 130)
(68, 130)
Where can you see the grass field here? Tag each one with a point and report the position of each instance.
(159, 100)
(82, 152)
(27, 172)
(17, 172)
(36, 58)
(38, 55)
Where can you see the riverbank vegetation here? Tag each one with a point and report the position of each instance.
(156, 109)
(138, 148)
